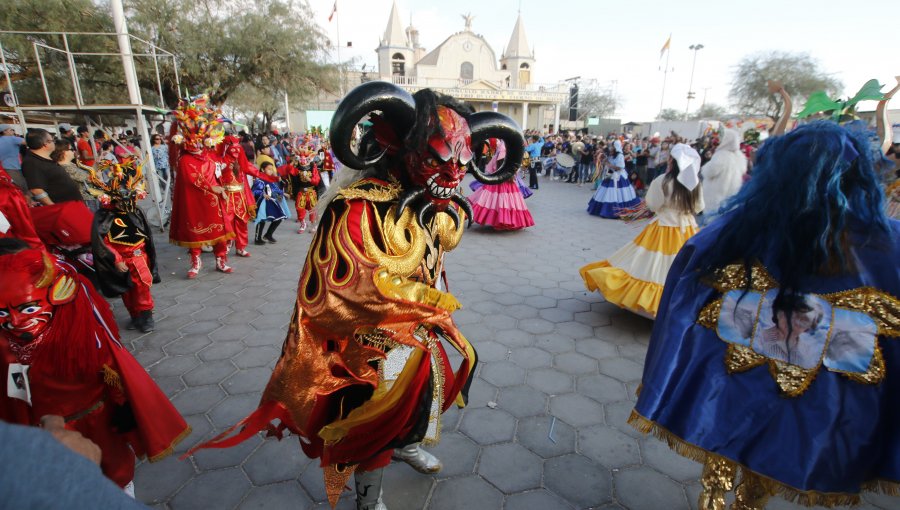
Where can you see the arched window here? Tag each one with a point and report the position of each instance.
(466, 71)
(503, 67)
(398, 64)
(524, 66)
(524, 75)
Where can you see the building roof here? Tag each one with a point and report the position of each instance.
(394, 34)
(518, 43)
(432, 57)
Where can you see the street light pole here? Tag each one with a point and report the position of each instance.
(690, 94)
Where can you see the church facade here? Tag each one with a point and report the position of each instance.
(466, 67)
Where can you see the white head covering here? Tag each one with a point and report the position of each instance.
(688, 165)
(617, 145)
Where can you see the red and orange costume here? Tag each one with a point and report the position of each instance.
(121, 234)
(240, 206)
(60, 349)
(301, 176)
(364, 368)
(199, 216)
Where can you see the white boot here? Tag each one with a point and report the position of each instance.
(418, 459)
(368, 490)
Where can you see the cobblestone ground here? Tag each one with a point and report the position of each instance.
(555, 358)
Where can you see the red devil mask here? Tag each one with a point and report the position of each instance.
(440, 166)
(32, 287)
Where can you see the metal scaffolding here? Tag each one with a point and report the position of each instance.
(85, 112)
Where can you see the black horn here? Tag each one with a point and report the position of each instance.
(487, 125)
(463, 204)
(396, 104)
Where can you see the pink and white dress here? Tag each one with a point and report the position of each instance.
(500, 206)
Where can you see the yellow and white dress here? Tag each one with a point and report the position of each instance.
(634, 276)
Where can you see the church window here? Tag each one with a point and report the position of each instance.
(398, 64)
(466, 71)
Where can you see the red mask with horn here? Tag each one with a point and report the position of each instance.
(32, 287)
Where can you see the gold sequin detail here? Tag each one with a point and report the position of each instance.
(791, 379)
(336, 478)
(734, 277)
(716, 480)
(371, 191)
(709, 315)
(882, 307)
(403, 238)
(875, 373)
(753, 492)
(740, 359)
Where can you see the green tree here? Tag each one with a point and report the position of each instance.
(800, 74)
(709, 111)
(670, 114)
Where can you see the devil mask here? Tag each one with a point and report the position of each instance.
(32, 287)
(426, 141)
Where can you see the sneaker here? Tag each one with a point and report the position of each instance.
(242, 252)
(222, 265)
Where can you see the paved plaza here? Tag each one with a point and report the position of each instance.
(545, 427)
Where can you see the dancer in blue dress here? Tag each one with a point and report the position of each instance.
(271, 205)
(615, 192)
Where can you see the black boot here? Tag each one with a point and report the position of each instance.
(259, 233)
(268, 237)
(147, 324)
(134, 323)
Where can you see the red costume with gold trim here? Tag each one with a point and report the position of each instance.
(240, 206)
(56, 324)
(301, 176)
(364, 368)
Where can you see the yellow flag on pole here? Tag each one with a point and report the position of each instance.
(665, 46)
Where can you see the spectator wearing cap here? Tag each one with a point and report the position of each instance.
(10, 154)
(66, 132)
(48, 182)
(85, 149)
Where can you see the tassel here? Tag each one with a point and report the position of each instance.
(112, 378)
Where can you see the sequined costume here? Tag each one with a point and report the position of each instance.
(776, 351)
(364, 368)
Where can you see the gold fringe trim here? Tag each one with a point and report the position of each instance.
(805, 498)
(111, 377)
(168, 451)
(201, 244)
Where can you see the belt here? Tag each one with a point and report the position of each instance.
(233, 187)
(81, 414)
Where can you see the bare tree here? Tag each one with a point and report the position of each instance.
(800, 74)
(596, 102)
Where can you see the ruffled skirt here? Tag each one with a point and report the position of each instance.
(500, 206)
(633, 277)
(614, 193)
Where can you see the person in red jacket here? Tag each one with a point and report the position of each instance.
(60, 355)
(199, 212)
(301, 176)
(240, 205)
(15, 215)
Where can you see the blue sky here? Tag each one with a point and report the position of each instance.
(620, 41)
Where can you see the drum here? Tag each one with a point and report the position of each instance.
(565, 161)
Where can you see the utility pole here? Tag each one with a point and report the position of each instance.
(690, 95)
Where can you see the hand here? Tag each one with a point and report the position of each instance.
(71, 439)
(121, 267)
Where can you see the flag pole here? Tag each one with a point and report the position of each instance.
(665, 73)
(340, 65)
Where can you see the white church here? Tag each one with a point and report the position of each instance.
(466, 67)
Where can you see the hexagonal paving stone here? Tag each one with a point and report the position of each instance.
(214, 489)
(457, 452)
(406, 488)
(211, 372)
(250, 380)
(276, 461)
(199, 328)
(578, 481)
(593, 319)
(661, 458)
(554, 343)
(175, 365)
(510, 467)
(536, 326)
(550, 381)
(240, 316)
(171, 386)
(597, 349)
(540, 302)
(187, 345)
(488, 426)
(279, 495)
(219, 458)
(556, 315)
(546, 436)
(520, 311)
(503, 373)
(514, 338)
(481, 393)
(617, 414)
(467, 316)
(200, 429)
(492, 351)
(221, 350)
(526, 290)
(576, 410)
(273, 337)
(557, 293)
(497, 288)
(531, 357)
(198, 399)
(574, 363)
(470, 492)
(536, 500)
(508, 298)
(314, 484)
(574, 305)
(608, 447)
(211, 313)
(575, 330)
(498, 322)
(644, 488)
(233, 409)
(636, 352)
(624, 370)
(522, 401)
(601, 388)
(157, 481)
(256, 357)
(231, 332)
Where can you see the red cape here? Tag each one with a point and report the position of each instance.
(198, 216)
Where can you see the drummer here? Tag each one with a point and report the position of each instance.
(534, 152)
